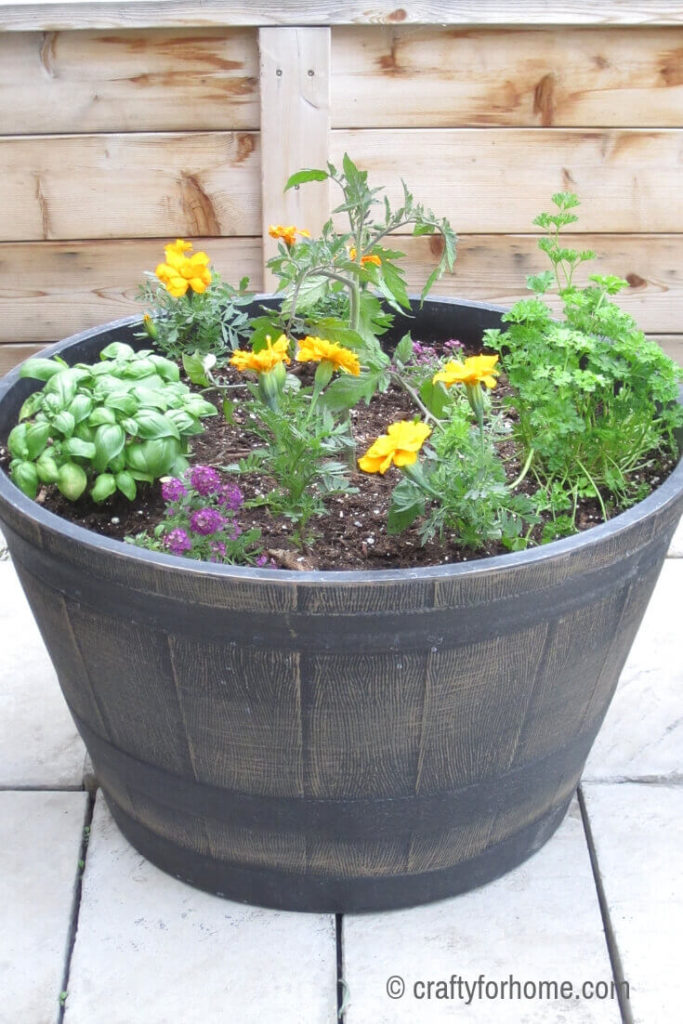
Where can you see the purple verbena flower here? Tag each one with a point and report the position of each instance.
(206, 521)
(230, 497)
(205, 480)
(173, 489)
(177, 541)
(452, 343)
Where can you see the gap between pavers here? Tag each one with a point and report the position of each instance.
(40, 843)
(637, 831)
(642, 735)
(539, 923)
(39, 744)
(151, 950)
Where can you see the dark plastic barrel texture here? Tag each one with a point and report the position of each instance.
(337, 741)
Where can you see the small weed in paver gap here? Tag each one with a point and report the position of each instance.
(62, 998)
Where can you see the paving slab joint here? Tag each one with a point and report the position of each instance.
(75, 907)
(610, 936)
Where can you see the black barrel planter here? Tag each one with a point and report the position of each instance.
(336, 741)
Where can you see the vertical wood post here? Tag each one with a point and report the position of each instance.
(295, 128)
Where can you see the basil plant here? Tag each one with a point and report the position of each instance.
(104, 427)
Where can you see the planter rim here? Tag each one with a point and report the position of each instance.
(667, 493)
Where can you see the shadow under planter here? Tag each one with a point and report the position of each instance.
(336, 741)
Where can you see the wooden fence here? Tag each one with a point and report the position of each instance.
(125, 125)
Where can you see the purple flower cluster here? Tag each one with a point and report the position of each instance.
(177, 541)
(206, 521)
(173, 489)
(201, 515)
(424, 354)
(205, 480)
(230, 497)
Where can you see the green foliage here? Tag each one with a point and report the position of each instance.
(105, 426)
(595, 401)
(461, 487)
(304, 458)
(212, 322)
(201, 521)
(342, 269)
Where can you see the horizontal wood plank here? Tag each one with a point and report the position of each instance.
(162, 80)
(499, 179)
(672, 344)
(12, 355)
(484, 180)
(141, 185)
(494, 268)
(20, 15)
(413, 77)
(63, 288)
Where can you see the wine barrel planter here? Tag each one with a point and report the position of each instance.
(336, 741)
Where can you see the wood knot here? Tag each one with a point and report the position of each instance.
(671, 71)
(246, 143)
(544, 99)
(397, 15)
(436, 245)
(636, 281)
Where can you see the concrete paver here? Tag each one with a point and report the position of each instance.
(642, 735)
(540, 923)
(676, 549)
(638, 834)
(39, 744)
(152, 950)
(40, 842)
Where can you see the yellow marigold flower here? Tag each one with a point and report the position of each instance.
(287, 234)
(319, 350)
(399, 445)
(265, 360)
(369, 258)
(181, 272)
(475, 370)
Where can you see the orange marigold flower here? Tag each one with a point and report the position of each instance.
(287, 234)
(399, 446)
(369, 258)
(181, 272)
(179, 247)
(475, 370)
(320, 350)
(266, 359)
